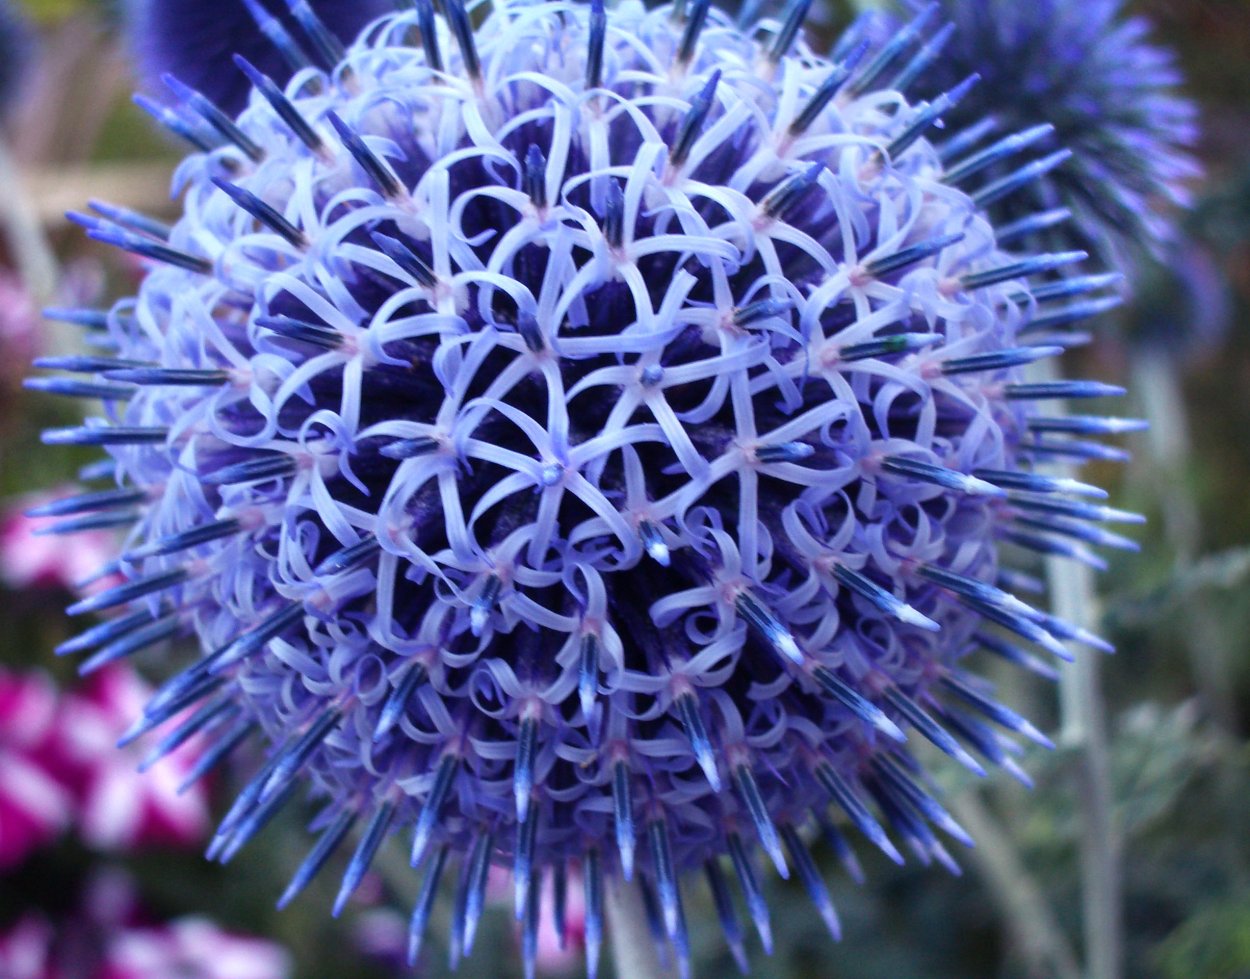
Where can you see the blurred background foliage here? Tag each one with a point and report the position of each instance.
(1177, 694)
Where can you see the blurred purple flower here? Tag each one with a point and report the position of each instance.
(20, 339)
(1185, 307)
(586, 442)
(26, 950)
(195, 40)
(1089, 74)
(34, 806)
(103, 939)
(192, 948)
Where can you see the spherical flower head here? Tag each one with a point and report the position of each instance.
(584, 443)
(1112, 97)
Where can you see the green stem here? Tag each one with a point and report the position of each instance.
(1168, 460)
(1083, 730)
(1036, 934)
(633, 949)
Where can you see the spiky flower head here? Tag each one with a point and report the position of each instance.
(583, 441)
(197, 40)
(1078, 78)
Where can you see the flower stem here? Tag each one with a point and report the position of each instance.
(1036, 934)
(1083, 731)
(32, 253)
(1157, 387)
(633, 949)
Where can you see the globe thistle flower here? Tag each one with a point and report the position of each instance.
(1099, 102)
(197, 39)
(583, 443)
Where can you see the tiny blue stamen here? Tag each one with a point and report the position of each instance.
(757, 904)
(784, 39)
(784, 452)
(425, 905)
(812, 881)
(692, 123)
(654, 544)
(856, 703)
(431, 809)
(997, 152)
(375, 833)
(293, 329)
(324, 848)
(399, 698)
(262, 212)
(749, 792)
(761, 309)
(623, 815)
(996, 191)
(129, 591)
(687, 705)
(376, 170)
(761, 619)
(900, 343)
(284, 107)
(207, 110)
(406, 259)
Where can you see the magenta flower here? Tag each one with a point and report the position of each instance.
(34, 806)
(20, 338)
(26, 950)
(103, 939)
(31, 558)
(118, 806)
(192, 948)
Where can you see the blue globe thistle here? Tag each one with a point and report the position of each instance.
(585, 441)
(1076, 78)
(197, 40)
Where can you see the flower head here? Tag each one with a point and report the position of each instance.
(584, 443)
(1083, 84)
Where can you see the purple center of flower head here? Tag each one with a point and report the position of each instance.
(585, 442)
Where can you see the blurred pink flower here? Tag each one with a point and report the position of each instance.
(34, 807)
(103, 941)
(192, 948)
(381, 935)
(28, 560)
(117, 807)
(20, 337)
(550, 957)
(26, 950)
